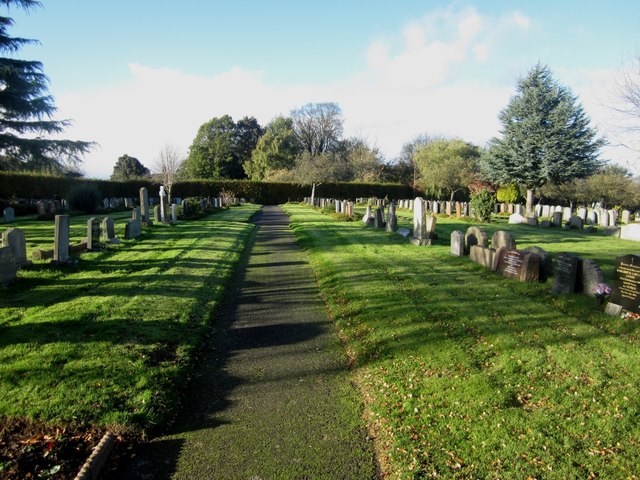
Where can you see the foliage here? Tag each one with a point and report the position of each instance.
(128, 168)
(276, 150)
(483, 203)
(508, 193)
(84, 198)
(546, 136)
(15, 185)
(449, 165)
(364, 163)
(221, 147)
(27, 110)
(318, 127)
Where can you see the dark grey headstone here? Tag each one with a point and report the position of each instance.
(626, 288)
(556, 219)
(8, 215)
(518, 265)
(8, 268)
(591, 277)
(132, 229)
(93, 234)
(566, 273)
(157, 214)
(378, 220)
(576, 222)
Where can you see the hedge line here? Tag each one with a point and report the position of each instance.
(29, 186)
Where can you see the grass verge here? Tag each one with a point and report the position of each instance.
(108, 341)
(470, 375)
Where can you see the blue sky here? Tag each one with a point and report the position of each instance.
(135, 75)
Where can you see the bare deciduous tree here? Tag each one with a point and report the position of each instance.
(317, 126)
(167, 165)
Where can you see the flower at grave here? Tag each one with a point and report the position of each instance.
(602, 290)
(630, 316)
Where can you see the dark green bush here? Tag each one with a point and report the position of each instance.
(84, 198)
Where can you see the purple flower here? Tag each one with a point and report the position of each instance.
(602, 289)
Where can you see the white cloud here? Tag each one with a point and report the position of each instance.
(407, 89)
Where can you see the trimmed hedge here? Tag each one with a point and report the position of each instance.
(32, 186)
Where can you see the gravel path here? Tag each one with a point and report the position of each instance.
(272, 398)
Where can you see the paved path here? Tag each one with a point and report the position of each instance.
(272, 399)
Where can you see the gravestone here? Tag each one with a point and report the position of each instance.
(378, 219)
(510, 209)
(502, 239)
(8, 268)
(530, 219)
(447, 208)
(625, 218)
(392, 219)
(144, 204)
(566, 273)
(458, 209)
(591, 277)
(14, 239)
(174, 213)
(515, 219)
(164, 212)
(613, 217)
(582, 213)
(567, 213)
(475, 236)
(157, 215)
(8, 215)
(61, 239)
(576, 222)
(538, 210)
(518, 265)
(108, 231)
(41, 207)
(604, 219)
(404, 232)
(546, 266)
(93, 234)
(630, 232)
(484, 256)
(424, 225)
(556, 219)
(132, 229)
(135, 214)
(457, 243)
(502, 208)
(367, 219)
(592, 217)
(546, 211)
(626, 288)
(338, 207)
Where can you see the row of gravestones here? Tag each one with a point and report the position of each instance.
(571, 274)
(459, 209)
(378, 219)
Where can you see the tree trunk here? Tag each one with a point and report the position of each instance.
(529, 207)
(313, 194)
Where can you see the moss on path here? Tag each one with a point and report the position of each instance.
(273, 397)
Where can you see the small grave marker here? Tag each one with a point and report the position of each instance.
(457, 243)
(8, 215)
(61, 239)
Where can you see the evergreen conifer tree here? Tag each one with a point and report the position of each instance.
(26, 109)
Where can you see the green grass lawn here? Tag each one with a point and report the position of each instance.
(108, 340)
(470, 375)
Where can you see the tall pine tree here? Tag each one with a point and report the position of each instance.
(26, 110)
(546, 137)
